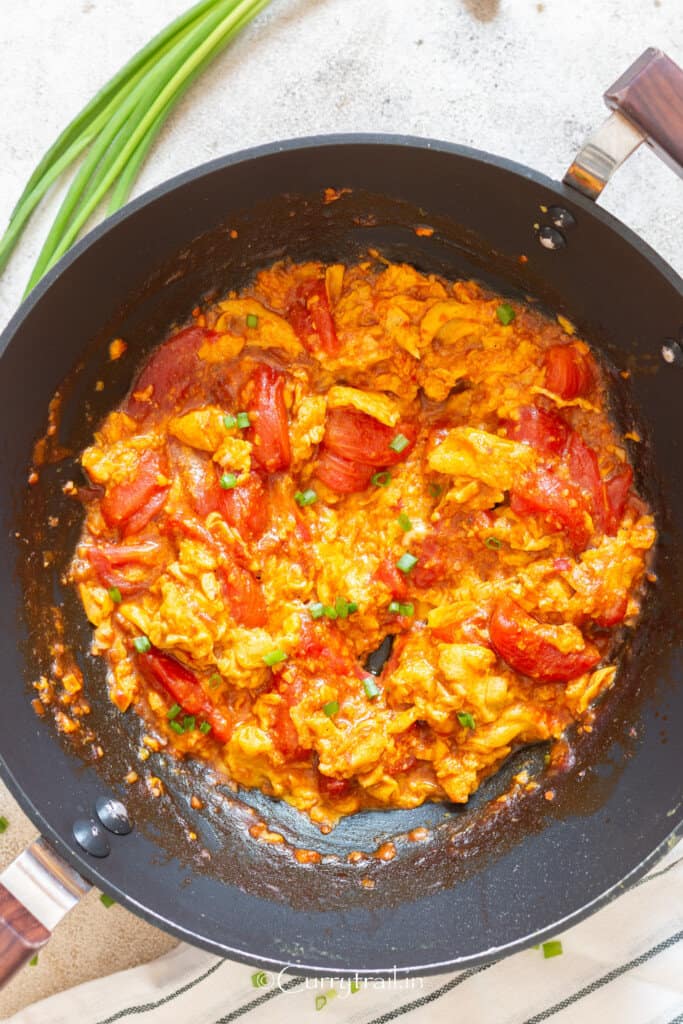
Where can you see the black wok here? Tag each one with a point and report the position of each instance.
(492, 877)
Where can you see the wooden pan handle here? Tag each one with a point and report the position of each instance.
(650, 95)
(21, 935)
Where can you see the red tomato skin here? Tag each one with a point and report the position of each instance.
(617, 489)
(287, 738)
(310, 315)
(245, 506)
(146, 513)
(568, 371)
(332, 787)
(516, 639)
(543, 492)
(170, 371)
(182, 685)
(545, 431)
(270, 430)
(355, 436)
(585, 474)
(244, 596)
(111, 577)
(392, 577)
(344, 476)
(123, 500)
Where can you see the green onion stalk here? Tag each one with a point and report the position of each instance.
(116, 129)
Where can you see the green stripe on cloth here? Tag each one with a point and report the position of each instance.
(145, 1007)
(260, 1000)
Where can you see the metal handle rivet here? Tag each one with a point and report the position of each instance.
(90, 837)
(113, 815)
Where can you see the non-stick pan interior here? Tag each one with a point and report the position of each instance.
(490, 875)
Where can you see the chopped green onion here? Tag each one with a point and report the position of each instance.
(404, 522)
(399, 443)
(215, 680)
(394, 607)
(320, 1002)
(173, 712)
(353, 607)
(189, 722)
(177, 727)
(106, 900)
(492, 542)
(4, 824)
(243, 420)
(115, 594)
(205, 727)
(552, 948)
(142, 644)
(331, 708)
(406, 609)
(329, 612)
(354, 986)
(466, 720)
(341, 606)
(252, 320)
(381, 479)
(317, 610)
(275, 657)
(505, 314)
(435, 490)
(406, 562)
(229, 422)
(371, 688)
(304, 498)
(33, 961)
(228, 481)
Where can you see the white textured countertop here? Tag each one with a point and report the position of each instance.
(518, 78)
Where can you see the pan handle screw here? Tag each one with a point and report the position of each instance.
(113, 815)
(90, 837)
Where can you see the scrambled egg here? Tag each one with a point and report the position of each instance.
(340, 454)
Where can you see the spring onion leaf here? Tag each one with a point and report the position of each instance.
(107, 901)
(228, 481)
(381, 479)
(252, 320)
(142, 644)
(274, 657)
(215, 680)
(4, 824)
(493, 543)
(399, 443)
(317, 610)
(243, 420)
(304, 498)
(205, 727)
(33, 962)
(371, 688)
(505, 314)
(466, 720)
(229, 422)
(189, 722)
(173, 712)
(331, 708)
(404, 522)
(329, 612)
(552, 948)
(177, 727)
(115, 594)
(406, 562)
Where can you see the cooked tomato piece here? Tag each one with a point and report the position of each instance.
(310, 315)
(543, 492)
(361, 438)
(287, 738)
(518, 639)
(543, 430)
(617, 489)
(332, 787)
(245, 506)
(432, 563)
(123, 500)
(146, 513)
(614, 613)
(341, 475)
(169, 372)
(103, 559)
(270, 430)
(568, 371)
(585, 474)
(183, 686)
(392, 577)
(244, 595)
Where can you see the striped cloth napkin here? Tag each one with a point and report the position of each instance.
(624, 965)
